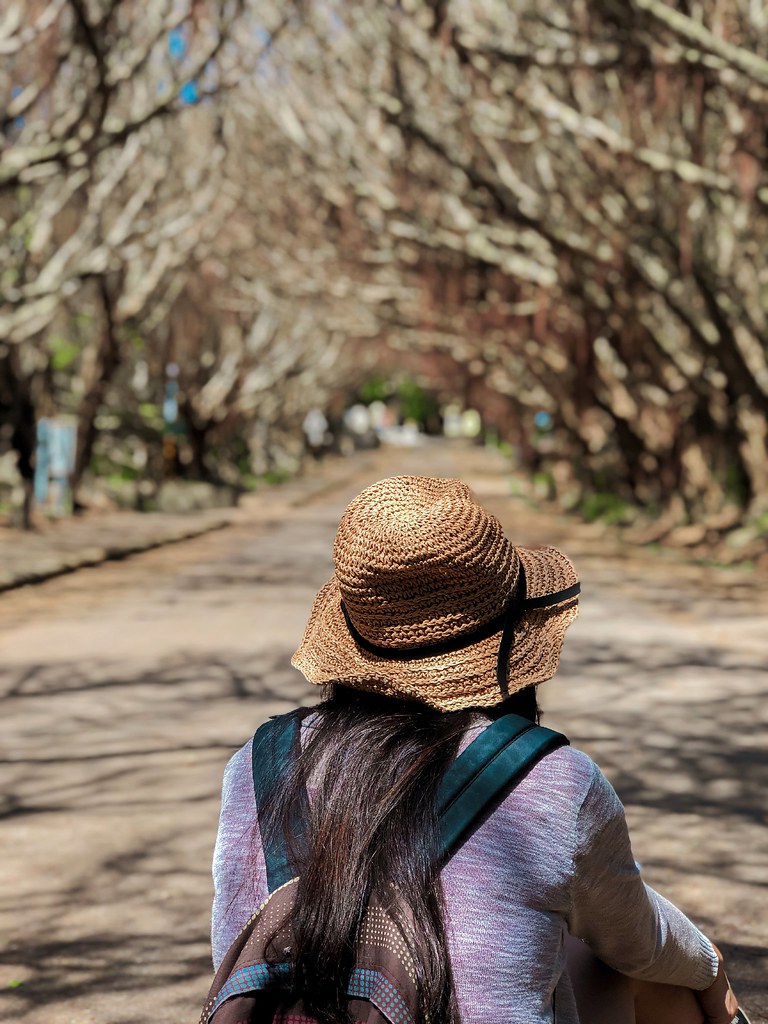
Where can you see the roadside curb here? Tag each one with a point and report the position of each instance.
(155, 530)
(87, 557)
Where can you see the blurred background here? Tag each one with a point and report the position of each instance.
(226, 224)
(315, 243)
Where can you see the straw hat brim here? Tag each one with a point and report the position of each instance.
(463, 678)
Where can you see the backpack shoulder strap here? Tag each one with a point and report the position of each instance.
(276, 745)
(485, 772)
(482, 775)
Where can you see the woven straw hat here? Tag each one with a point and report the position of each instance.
(431, 602)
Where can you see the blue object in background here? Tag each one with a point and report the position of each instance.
(18, 122)
(188, 92)
(62, 445)
(177, 50)
(42, 459)
(54, 463)
(171, 397)
(542, 420)
(177, 43)
(170, 403)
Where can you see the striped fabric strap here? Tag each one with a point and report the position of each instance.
(275, 746)
(485, 772)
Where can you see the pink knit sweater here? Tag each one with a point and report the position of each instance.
(554, 856)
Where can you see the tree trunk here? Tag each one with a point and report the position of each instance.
(16, 397)
(197, 435)
(106, 361)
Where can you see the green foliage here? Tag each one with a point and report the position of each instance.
(137, 342)
(736, 483)
(604, 507)
(9, 277)
(123, 473)
(152, 415)
(276, 476)
(375, 389)
(743, 564)
(416, 403)
(249, 481)
(544, 484)
(516, 487)
(241, 456)
(63, 352)
(111, 470)
(502, 447)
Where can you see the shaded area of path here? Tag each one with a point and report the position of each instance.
(125, 688)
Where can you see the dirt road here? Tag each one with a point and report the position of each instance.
(126, 687)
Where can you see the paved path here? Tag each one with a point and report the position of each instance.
(126, 686)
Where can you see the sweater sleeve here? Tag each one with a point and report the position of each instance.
(239, 875)
(626, 923)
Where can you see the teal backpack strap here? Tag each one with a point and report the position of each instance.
(489, 767)
(275, 746)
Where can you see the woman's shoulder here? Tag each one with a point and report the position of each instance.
(241, 758)
(565, 768)
(568, 770)
(573, 763)
(565, 785)
(237, 786)
(571, 778)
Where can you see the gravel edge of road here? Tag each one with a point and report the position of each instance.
(60, 564)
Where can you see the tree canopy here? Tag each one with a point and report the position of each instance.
(538, 210)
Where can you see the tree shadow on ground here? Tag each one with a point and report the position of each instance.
(86, 731)
(111, 791)
(680, 732)
(146, 952)
(206, 676)
(112, 965)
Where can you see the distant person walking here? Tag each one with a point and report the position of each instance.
(431, 639)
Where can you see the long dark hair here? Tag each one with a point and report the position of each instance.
(373, 766)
